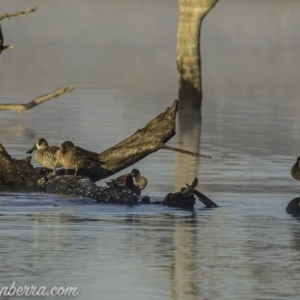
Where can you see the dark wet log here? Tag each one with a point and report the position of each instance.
(185, 198)
(15, 172)
(19, 174)
(22, 13)
(84, 187)
(202, 198)
(20, 108)
(191, 15)
(205, 200)
(117, 194)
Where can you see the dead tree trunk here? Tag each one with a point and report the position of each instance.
(191, 14)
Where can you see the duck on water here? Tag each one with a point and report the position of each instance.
(295, 171)
(294, 205)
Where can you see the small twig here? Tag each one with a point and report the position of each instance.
(163, 146)
(19, 108)
(22, 13)
(190, 188)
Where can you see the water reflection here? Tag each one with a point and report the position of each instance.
(183, 270)
(188, 133)
(16, 131)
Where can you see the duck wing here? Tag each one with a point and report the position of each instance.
(91, 155)
(122, 179)
(53, 149)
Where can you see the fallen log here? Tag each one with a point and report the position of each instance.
(144, 141)
(20, 174)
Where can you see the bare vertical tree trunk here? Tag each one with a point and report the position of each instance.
(191, 14)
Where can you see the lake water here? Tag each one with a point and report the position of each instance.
(121, 56)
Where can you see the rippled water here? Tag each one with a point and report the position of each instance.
(121, 57)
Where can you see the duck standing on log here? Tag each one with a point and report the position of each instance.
(73, 157)
(45, 154)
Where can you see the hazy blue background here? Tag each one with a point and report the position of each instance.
(121, 56)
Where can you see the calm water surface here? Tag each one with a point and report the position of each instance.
(121, 57)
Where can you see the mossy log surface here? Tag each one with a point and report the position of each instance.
(20, 174)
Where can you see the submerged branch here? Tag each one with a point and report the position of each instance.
(19, 108)
(163, 146)
(22, 13)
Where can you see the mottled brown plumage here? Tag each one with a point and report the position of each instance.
(295, 171)
(140, 181)
(45, 154)
(77, 158)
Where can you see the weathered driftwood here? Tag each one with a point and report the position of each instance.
(142, 143)
(22, 13)
(145, 141)
(191, 15)
(20, 108)
(19, 174)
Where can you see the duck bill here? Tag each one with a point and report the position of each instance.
(31, 150)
